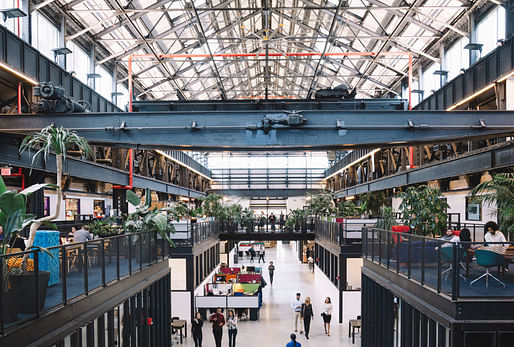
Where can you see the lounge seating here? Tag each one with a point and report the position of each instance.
(430, 252)
(488, 259)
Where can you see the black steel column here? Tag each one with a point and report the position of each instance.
(509, 21)
(343, 278)
(119, 201)
(190, 279)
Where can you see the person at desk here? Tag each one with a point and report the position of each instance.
(82, 235)
(450, 237)
(196, 329)
(493, 234)
(218, 321)
(293, 342)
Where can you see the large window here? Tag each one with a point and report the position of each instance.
(104, 84)
(490, 29)
(78, 61)
(15, 25)
(456, 58)
(122, 100)
(45, 35)
(431, 82)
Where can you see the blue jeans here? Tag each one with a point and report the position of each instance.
(232, 337)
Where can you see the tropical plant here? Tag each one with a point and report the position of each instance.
(500, 193)
(182, 210)
(347, 208)
(56, 140)
(13, 216)
(374, 202)
(386, 219)
(105, 227)
(212, 206)
(322, 204)
(424, 210)
(296, 219)
(247, 219)
(144, 218)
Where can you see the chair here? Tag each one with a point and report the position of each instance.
(488, 259)
(447, 257)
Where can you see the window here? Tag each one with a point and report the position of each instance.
(430, 81)
(473, 208)
(122, 100)
(490, 29)
(78, 61)
(45, 35)
(16, 25)
(103, 85)
(456, 58)
(72, 208)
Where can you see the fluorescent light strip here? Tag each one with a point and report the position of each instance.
(17, 73)
(481, 91)
(181, 163)
(353, 163)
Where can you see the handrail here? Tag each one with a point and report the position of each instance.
(437, 264)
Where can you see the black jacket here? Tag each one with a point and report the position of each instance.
(196, 328)
(307, 311)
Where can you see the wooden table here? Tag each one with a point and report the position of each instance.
(180, 324)
(354, 323)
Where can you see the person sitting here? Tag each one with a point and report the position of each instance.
(492, 234)
(293, 342)
(82, 235)
(450, 237)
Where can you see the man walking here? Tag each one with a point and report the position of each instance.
(218, 321)
(271, 269)
(261, 254)
(297, 307)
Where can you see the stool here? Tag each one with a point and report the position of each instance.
(352, 325)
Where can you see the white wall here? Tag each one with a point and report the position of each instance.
(457, 202)
(178, 274)
(351, 305)
(329, 289)
(181, 305)
(295, 202)
(353, 272)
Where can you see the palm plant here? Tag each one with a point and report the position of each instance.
(499, 192)
(322, 204)
(58, 141)
(386, 219)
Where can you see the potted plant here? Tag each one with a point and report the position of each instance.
(58, 141)
(145, 218)
(296, 220)
(424, 210)
(499, 192)
(247, 220)
(17, 282)
(322, 205)
(105, 227)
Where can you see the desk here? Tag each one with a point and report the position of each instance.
(179, 324)
(354, 323)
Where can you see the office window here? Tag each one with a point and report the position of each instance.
(15, 25)
(45, 35)
(456, 58)
(122, 100)
(430, 81)
(78, 61)
(103, 85)
(490, 29)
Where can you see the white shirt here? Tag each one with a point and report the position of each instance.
(497, 237)
(297, 305)
(327, 308)
(232, 323)
(454, 239)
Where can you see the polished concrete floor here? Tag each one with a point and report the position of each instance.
(276, 317)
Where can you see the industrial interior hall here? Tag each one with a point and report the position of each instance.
(271, 173)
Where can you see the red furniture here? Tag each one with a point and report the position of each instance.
(400, 229)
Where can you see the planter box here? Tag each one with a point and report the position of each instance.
(25, 287)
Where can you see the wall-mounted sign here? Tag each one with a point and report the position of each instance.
(5, 171)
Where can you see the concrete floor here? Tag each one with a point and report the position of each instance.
(276, 316)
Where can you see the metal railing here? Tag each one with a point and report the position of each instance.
(445, 267)
(204, 231)
(33, 282)
(347, 232)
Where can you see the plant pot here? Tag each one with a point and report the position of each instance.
(10, 306)
(24, 286)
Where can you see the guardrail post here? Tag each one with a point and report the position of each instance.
(102, 254)
(2, 286)
(64, 277)
(455, 279)
(38, 285)
(409, 257)
(423, 261)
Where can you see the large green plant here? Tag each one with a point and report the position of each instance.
(105, 227)
(13, 216)
(322, 204)
(347, 208)
(424, 210)
(212, 206)
(374, 202)
(56, 140)
(296, 218)
(247, 219)
(144, 218)
(499, 192)
(386, 219)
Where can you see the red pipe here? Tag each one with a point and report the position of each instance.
(18, 19)
(19, 97)
(19, 174)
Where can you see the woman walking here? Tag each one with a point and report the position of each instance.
(307, 316)
(232, 328)
(327, 315)
(196, 329)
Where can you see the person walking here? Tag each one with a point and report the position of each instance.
(293, 342)
(218, 321)
(281, 221)
(327, 314)
(196, 329)
(252, 254)
(307, 316)
(232, 328)
(272, 221)
(271, 269)
(261, 254)
(297, 307)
